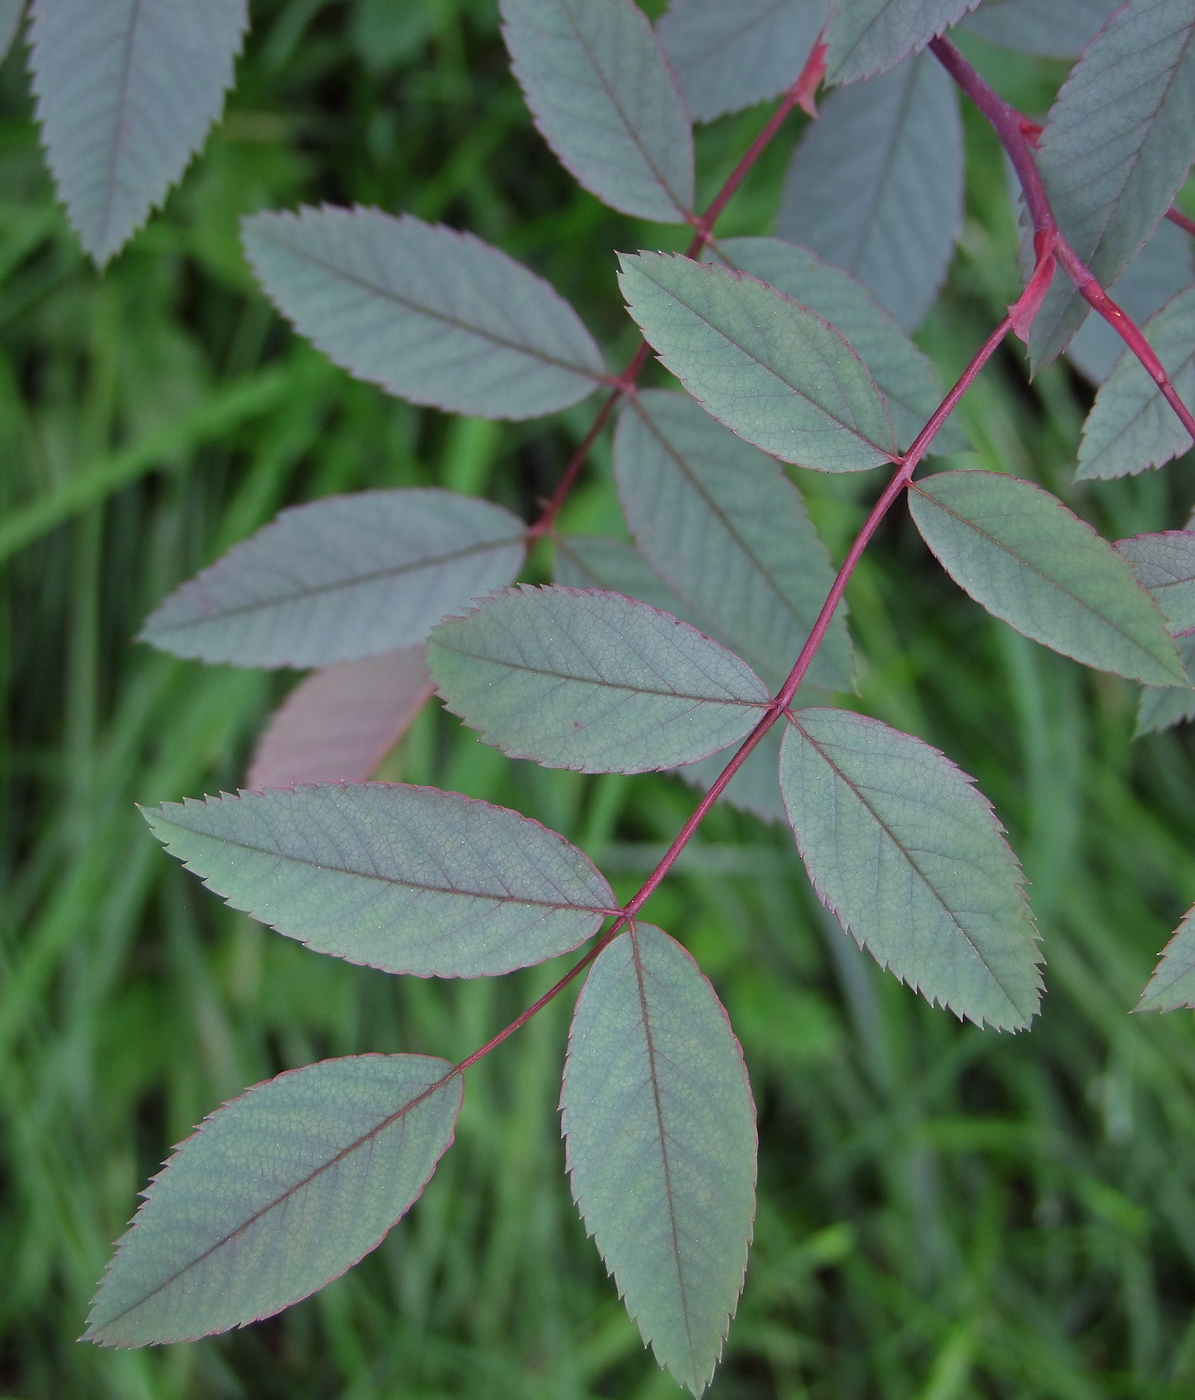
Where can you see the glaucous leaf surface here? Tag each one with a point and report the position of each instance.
(339, 723)
(614, 566)
(1165, 567)
(342, 578)
(730, 56)
(1018, 550)
(11, 13)
(1162, 269)
(602, 93)
(1131, 426)
(866, 37)
(126, 91)
(592, 681)
(903, 374)
(430, 314)
(276, 1194)
(405, 879)
(911, 860)
(728, 531)
(659, 1126)
(1053, 28)
(770, 369)
(1118, 143)
(1173, 983)
(754, 787)
(1162, 706)
(876, 185)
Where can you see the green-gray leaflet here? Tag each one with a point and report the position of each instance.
(1055, 28)
(660, 1131)
(1165, 567)
(1018, 550)
(876, 185)
(592, 681)
(1173, 983)
(910, 858)
(406, 879)
(430, 314)
(903, 374)
(1131, 426)
(866, 37)
(11, 14)
(1163, 706)
(342, 578)
(770, 369)
(126, 91)
(1118, 143)
(276, 1194)
(600, 90)
(727, 530)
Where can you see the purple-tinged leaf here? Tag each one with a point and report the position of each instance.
(1162, 706)
(1118, 143)
(1131, 426)
(1161, 270)
(275, 1195)
(910, 858)
(903, 374)
(770, 369)
(343, 578)
(126, 91)
(866, 37)
(430, 314)
(1173, 983)
(1165, 567)
(339, 723)
(602, 93)
(727, 57)
(876, 185)
(592, 681)
(659, 1125)
(1053, 28)
(405, 879)
(1018, 550)
(727, 530)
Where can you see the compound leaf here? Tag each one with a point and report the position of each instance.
(339, 723)
(1018, 550)
(592, 681)
(660, 1131)
(727, 530)
(909, 856)
(1165, 567)
(1053, 28)
(1173, 983)
(728, 57)
(430, 314)
(601, 92)
(1131, 426)
(770, 369)
(614, 566)
(401, 878)
(876, 185)
(276, 1194)
(1119, 142)
(1163, 706)
(866, 37)
(903, 374)
(126, 91)
(342, 578)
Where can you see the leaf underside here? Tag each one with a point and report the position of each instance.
(768, 368)
(11, 14)
(660, 1131)
(592, 681)
(1165, 568)
(1052, 28)
(910, 858)
(1019, 552)
(876, 185)
(430, 314)
(1172, 985)
(343, 578)
(276, 1194)
(1118, 143)
(1164, 706)
(601, 92)
(404, 879)
(866, 37)
(126, 91)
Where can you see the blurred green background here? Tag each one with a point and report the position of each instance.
(944, 1212)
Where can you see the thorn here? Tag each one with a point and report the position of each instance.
(1031, 131)
(811, 77)
(1028, 304)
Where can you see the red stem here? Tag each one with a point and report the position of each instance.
(1176, 216)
